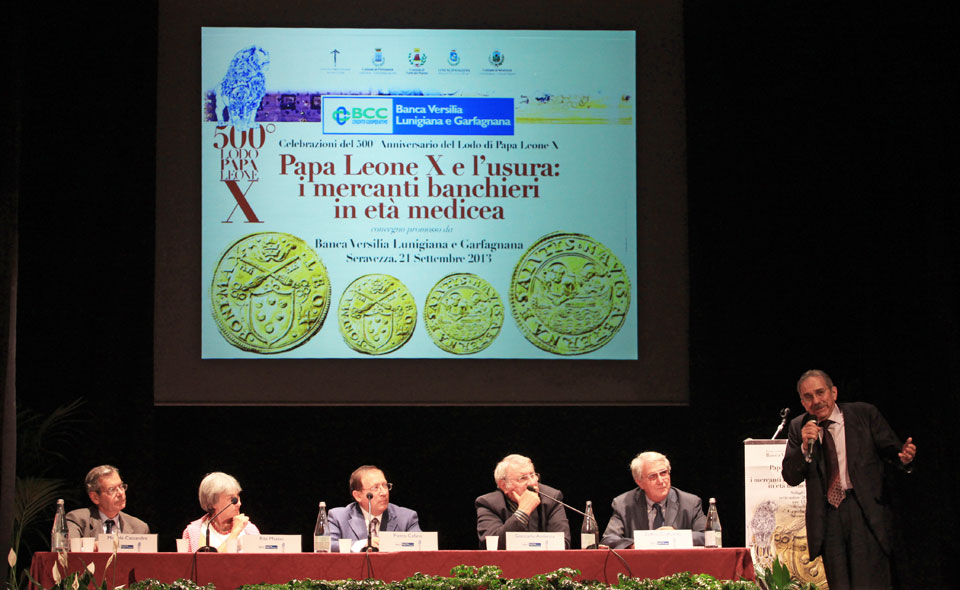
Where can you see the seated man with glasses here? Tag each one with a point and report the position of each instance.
(359, 519)
(653, 505)
(109, 496)
(515, 507)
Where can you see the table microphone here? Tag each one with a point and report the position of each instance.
(370, 547)
(208, 548)
(783, 422)
(557, 500)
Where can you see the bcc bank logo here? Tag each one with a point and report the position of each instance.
(341, 116)
(357, 115)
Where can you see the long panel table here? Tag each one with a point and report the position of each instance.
(229, 571)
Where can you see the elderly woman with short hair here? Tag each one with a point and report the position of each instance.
(220, 499)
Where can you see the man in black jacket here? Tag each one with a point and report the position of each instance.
(515, 508)
(848, 514)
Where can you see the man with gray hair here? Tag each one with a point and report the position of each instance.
(653, 505)
(108, 494)
(517, 505)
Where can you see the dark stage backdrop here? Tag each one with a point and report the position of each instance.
(822, 216)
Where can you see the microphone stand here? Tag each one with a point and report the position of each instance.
(783, 414)
(557, 500)
(370, 528)
(367, 565)
(208, 548)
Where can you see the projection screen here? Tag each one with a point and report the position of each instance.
(419, 215)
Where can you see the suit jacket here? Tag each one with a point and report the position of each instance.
(494, 517)
(870, 442)
(348, 523)
(86, 522)
(683, 511)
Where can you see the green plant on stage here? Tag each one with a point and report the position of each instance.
(86, 579)
(181, 584)
(465, 577)
(39, 438)
(62, 581)
(683, 581)
(777, 577)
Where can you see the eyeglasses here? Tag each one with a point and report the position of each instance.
(113, 491)
(658, 475)
(380, 487)
(529, 477)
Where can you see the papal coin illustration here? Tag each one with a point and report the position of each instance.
(270, 293)
(569, 294)
(377, 314)
(463, 313)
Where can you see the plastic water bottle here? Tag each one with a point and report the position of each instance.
(321, 545)
(58, 536)
(712, 536)
(589, 531)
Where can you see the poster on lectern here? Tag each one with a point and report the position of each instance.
(418, 194)
(775, 521)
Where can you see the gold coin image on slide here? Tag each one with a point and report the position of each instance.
(569, 294)
(270, 293)
(463, 313)
(377, 314)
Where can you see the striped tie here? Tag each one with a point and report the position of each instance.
(835, 491)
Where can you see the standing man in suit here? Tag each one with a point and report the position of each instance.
(654, 504)
(108, 494)
(355, 522)
(514, 507)
(848, 515)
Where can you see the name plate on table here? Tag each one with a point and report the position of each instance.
(128, 543)
(270, 543)
(668, 539)
(408, 541)
(524, 541)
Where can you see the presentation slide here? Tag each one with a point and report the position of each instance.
(418, 194)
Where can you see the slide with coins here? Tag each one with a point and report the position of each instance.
(418, 194)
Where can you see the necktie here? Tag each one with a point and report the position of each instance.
(373, 528)
(835, 491)
(109, 524)
(658, 519)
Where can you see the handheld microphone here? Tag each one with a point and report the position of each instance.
(557, 500)
(208, 548)
(370, 529)
(808, 447)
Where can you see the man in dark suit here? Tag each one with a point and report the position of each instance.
(654, 504)
(109, 496)
(848, 514)
(515, 508)
(355, 521)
